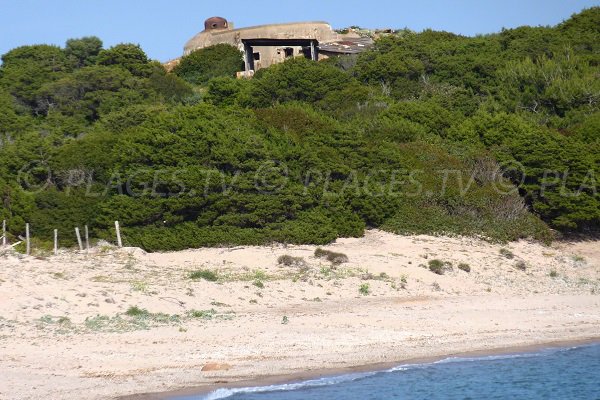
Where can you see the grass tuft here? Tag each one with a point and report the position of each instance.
(135, 311)
(364, 289)
(259, 284)
(202, 314)
(205, 274)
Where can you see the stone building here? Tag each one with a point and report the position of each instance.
(266, 45)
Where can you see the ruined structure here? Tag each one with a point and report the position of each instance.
(266, 45)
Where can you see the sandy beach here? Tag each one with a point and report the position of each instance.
(120, 322)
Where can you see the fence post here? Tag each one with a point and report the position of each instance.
(56, 242)
(78, 239)
(87, 239)
(119, 242)
(4, 233)
(27, 239)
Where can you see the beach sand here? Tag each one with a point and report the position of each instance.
(64, 333)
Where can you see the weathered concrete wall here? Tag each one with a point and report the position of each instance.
(320, 31)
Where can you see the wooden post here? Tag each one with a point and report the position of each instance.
(119, 242)
(27, 240)
(56, 242)
(87, 239)
(79, 239)
(4, 233)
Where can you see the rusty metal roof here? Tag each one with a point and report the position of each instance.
(347, 46)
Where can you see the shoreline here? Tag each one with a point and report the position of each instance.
(204, 390)
(121, 322)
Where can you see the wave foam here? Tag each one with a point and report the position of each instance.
(334, 380)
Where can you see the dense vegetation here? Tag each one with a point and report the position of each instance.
(407, 137)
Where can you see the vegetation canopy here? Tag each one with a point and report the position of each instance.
(496, 136)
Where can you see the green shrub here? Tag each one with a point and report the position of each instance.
(202, 314)
(331, 256)
(364, 289)
(464, 267)
(521, 265)
(205, 274)
(290, 261)
(259, 284)
(135, 311)
(436, 266)
(507, 253)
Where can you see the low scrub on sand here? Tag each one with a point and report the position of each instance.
(205, 274)
(464, 267)
(507, 253)
(331, 256)
(439, 266)
(364, 289)
(290, 261)
(520, 265)
(202, 314)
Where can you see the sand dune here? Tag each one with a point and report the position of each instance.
(64, 331)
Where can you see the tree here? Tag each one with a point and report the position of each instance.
(26, 69)
(91, 91)
(550, 85)
(84, 51)
(170, 86)
(200, 66)
(10, 121)
(128, 56)
(296, 79)
(225, 90)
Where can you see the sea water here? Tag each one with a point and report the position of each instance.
(558, 373)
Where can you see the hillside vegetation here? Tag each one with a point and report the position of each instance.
(431, 132)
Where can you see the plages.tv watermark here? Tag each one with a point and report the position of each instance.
(273, 177)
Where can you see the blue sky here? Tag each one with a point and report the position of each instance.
(162, 27)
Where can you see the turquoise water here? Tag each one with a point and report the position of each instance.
(565, 373)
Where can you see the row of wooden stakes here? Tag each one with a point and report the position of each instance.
(27, 238)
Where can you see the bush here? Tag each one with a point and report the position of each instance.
(439, 267)
(331, 256)
(135, 311)
(202, 314)
(520, 265)
(507, 253)
(205, 274)
(436, 266)
(289, 261)
(464, 267)
(259, 284)
(364, 289)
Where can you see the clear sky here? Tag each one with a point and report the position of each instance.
(162, 27)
